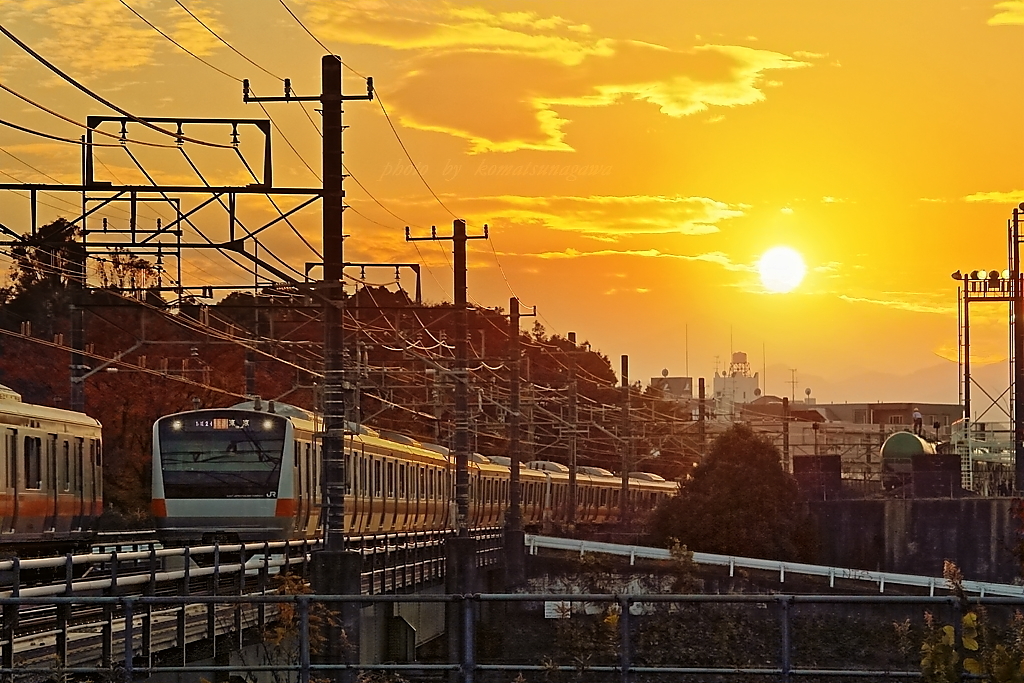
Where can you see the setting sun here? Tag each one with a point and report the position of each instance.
(781, 269)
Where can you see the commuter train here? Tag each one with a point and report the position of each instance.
(247, 473)
(51, 480)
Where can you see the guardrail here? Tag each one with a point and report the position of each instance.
(981, 588)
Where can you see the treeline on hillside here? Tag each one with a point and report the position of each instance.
(177, 354)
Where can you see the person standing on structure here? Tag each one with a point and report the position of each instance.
(918, 422)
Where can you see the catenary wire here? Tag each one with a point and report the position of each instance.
(99, 98)
(154, 27)
(60, 116)
(235, 78)
(48, 136)
(229, 45)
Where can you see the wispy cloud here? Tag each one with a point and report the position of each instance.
(1010, 12)
(901, 304)
(609, 216)
(189, 33)
(715, 257)
(103, 36)
(831, 268)
(1011, 197)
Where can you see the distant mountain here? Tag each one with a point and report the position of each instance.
(934, 384)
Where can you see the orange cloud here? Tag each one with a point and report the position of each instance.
(444, 27)
(189, 33)
(97, 36)
(525, 108)
(93, 36)
(548, 64)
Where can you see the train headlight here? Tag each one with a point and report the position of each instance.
(268, 424)
(176, 425)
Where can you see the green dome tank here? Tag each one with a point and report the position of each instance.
(901, 447)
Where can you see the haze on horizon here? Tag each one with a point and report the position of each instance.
(634, 168)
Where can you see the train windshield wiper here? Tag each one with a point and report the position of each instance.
(261, 453)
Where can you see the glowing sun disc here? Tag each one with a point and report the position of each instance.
(781, 269)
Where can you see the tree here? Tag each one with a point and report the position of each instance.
(739, 502)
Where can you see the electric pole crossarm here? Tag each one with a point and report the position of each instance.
(289, 97)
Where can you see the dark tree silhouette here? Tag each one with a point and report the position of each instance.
(739, 502)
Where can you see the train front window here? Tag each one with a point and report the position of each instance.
(229, 456)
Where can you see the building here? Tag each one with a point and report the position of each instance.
(735, 387)
(672, 388)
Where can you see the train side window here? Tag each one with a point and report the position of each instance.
(66, 463)
(421, 492)
(430, 483)
(391, 479)
(309, 470)
(32, 459)
(349, 474)
(314, 466)
(12, 456)
(50, 463)
(401, 480)
(377, 483)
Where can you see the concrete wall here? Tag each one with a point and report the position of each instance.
(914, 536)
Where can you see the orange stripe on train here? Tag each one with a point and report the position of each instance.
(285, 507)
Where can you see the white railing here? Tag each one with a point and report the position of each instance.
(633, 552)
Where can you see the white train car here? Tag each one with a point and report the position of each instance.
(51, 476)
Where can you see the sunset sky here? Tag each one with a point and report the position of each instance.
(633, 161)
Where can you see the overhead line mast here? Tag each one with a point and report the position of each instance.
(337, 390)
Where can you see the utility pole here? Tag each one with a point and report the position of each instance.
(701, 419)
(573, 419)
(77, 286)
(334, 570)
(459, 237)
(1018, 349)
(785, 435)
(460, 552)
(336, 384)
(514, 535)
(250, 353)
(627, 443)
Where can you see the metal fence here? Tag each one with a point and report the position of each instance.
(506, 637)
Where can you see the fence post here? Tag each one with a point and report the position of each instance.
(785, 664)
(129, 637)
(303, 639)
(624, 642)
(468, 639)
